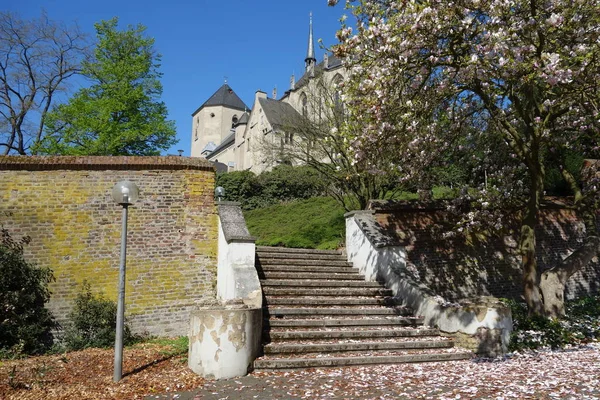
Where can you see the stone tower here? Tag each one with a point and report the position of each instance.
(212, 121)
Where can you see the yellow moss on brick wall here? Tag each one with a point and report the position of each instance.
(75, 230)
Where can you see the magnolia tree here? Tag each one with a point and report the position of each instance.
(430, 77)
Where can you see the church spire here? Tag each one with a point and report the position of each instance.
(310, 59)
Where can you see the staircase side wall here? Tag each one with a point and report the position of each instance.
(459, 267)
(237, 278)
(483, 325)
(64, 204)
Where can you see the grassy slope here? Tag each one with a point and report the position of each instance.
(314, 223)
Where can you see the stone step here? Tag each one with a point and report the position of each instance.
(318, 283)
(287, 348)
(308, 268)
(265, 364)
(326, 291)
(276, 311)
(337, 322)
(299, 262)
(313, 275)
(270, 249)
(350, 334)
(303, 256)
(342, 301)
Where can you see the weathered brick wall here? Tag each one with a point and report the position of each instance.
(462, 267)
(65, 205)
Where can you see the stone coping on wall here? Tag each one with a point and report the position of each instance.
(233, 222)
(46, 163)
(383, 206)
(372, 229)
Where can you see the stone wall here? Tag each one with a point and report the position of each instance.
(64, 204)
(477, 265)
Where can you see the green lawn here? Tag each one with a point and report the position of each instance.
(316, 223)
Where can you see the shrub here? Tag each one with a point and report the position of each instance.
(581, 324)
(25, 325)
(92, 322)
(283, 183)
(239, 185)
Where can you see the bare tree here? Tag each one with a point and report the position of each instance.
(316, 139)
(37, 57)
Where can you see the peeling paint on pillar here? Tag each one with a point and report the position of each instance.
(224, 340)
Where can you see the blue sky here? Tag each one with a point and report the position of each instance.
(255, 44)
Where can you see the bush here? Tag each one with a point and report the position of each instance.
(92, 322)
(26, 326)
(283, 183)
(239, 185)
(581, 324)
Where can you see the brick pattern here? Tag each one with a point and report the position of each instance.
(461, 267)
(66, 207)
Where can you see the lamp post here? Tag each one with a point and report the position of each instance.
(219, 192)
(123, 193)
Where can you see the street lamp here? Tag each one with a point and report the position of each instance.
(123, 193)
(219, 192)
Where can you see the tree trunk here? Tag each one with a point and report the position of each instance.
(552, 282)
(531, 290)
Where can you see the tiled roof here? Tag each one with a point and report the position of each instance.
(278, 113)
(244, 119)
(226, 97)
(227, 142)
(333, 63)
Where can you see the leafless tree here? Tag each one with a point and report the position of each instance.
(315, 139)
(37, 57)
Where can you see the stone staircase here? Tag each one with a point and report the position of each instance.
(320, 312)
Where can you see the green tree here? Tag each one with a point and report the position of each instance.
(120, 112)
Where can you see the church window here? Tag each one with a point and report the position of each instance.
(234, 120)
(337, 95)
(248, 144)
(304, 102)
(289, 138)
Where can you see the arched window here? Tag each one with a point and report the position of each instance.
(304, 103)
(234, 120)
(337, 91)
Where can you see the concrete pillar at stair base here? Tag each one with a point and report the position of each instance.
(224, 341)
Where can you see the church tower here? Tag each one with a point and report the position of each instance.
(213, 121)
(310, 61)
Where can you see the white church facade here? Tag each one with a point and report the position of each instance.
(226, 130)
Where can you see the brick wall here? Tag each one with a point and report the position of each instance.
(64, 204)
(482, 265)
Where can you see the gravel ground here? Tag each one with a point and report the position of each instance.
(565, 374)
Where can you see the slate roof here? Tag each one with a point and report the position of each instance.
(243, 119)
(228, 141)
(333, 63)
(224, 96)
(278, 113)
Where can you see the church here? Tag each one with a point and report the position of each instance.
(227, 131)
